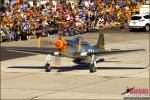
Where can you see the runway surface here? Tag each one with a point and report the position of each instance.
(23, 75)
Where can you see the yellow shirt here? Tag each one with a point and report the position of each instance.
(11, 25)
(119, 14)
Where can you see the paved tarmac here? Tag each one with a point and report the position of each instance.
(23, 75)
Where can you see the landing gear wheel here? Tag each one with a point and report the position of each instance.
(92, 68)
(47, 67)
(147, 28)
(48, 63)
(92, 65)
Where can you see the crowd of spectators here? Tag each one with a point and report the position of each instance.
(21, 22)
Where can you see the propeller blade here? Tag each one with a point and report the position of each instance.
(79, 45)
(46, 42)
(39, 42)
(57, 60)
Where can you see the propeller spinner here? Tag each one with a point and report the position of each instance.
(61, 45)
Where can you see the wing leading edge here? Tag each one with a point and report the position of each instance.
(33, 50)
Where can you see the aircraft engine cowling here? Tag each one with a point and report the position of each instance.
(61, 45)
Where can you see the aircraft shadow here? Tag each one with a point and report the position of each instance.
(77, 67)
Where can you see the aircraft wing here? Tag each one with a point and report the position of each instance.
(34, 50)
(109, 52)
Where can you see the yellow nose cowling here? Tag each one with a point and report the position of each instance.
(61, 45)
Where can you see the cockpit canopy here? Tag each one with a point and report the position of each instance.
(82, 40)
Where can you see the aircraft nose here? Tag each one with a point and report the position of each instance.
(61, 45)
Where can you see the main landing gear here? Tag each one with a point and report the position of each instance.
(48, 63)
(92, 65)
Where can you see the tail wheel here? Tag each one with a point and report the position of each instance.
(147, 28)
(47, 67)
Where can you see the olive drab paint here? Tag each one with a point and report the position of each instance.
(101, 42)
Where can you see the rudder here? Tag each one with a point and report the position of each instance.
(101, 42)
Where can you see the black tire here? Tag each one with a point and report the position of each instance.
(92, 68)
(47, 67)
(147, 28)
(131, 30)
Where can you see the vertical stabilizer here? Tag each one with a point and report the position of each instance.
(101, 42)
